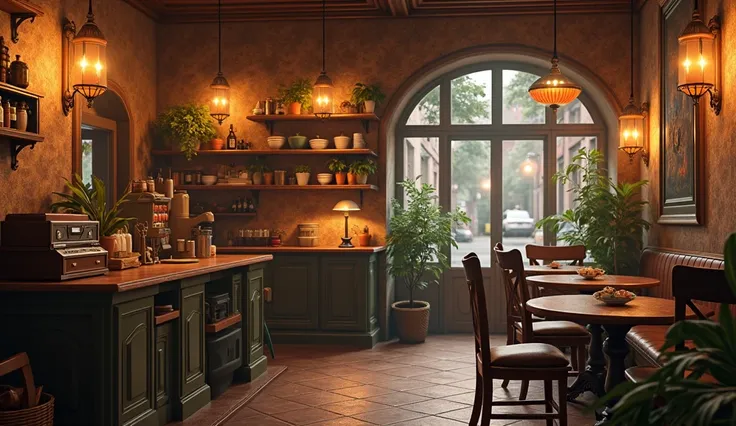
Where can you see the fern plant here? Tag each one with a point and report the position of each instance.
(607, 217)
(188, 126)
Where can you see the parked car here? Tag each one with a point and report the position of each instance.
(517, 223)
(462, 235)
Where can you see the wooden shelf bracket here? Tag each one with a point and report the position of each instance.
(15, 20)
(15, 148)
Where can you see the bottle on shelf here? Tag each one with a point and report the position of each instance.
(234, 207)
(251, 206)
(232, 141)
(239, 208)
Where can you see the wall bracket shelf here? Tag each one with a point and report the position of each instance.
(15, 148)
(270, 120)
(20, 11)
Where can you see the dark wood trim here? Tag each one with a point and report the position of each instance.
(218, 326)
(168, 316)
(293, 249)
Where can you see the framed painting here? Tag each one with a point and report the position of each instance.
(681, 144)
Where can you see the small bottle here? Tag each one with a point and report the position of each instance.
(232, 141)
(239, 207)
(2, 114)
(160, 182)
(251, 206)
(6, 113)
(19, 116)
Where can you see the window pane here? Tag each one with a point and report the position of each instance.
(471, 98)
(574, 113)
(471, 192)
(523, 193)
(518, 106)
(427, 111)
(421, 158)
(87, 161)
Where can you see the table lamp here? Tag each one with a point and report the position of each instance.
(346, 206)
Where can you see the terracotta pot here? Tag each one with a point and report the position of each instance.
(412, 322)
(109, 244)
(361, 179)
(340, 178)
(268, 178)
(351, 179)
(364, 240)
(295, 108)
(217, 144)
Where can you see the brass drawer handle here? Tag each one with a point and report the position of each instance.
(97, 262)
(74, 264)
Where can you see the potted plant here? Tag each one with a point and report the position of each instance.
(256, 173)
(91, 199)
(186, 125)
(337, 166)
(267, 175)
(607, 218)
(302, 174)
(360, 170)
(673, 397)
(420, 237)
(363, 236)
(297, 96)
(367, 95)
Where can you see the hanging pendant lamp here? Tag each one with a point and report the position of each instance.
(631, 120)
(220, 108)
(322, 95)
(554, 89)
(89, 66)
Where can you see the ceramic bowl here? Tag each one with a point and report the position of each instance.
(324, 178)
(209, 179)
(318, 143)
(276, 142)
(616, 301)
(297, 142)
(342, 142)
(308, 241)
(589, 273)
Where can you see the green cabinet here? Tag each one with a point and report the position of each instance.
(237, 292)
(254, 363)
(135, 363)
(165, 371)
(193, 391)
(294, 283)
(343, 293)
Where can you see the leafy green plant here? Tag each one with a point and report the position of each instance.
(364, 92)
(420, 237)
(670, 398)
(91, 199)
(360, 167)
(258, 167)
(300, 91)
(188, 126)
(607, 218)
(302, 169)
(336, 165)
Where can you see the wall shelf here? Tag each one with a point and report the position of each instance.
(218, 326)
(228, 214)
(18, 140)
(20, 11)
(226, 187)
(166, 317)
(270, 120)
(269, 152)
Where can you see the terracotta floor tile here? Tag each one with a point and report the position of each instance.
(468, 384)
(343, 421)
(285, 390)
(464, 398)
(245, 413)
(431, 421)
(409, 371)
(403, 385)
(353, 407)
(261, 420)
(444, 377)
(329, 383)
(336, 370)
(376, 366)
(306, 416)
(269, 404)
(364, 391)
(463, 415)
(445, 365)
(369, 377)
(397, 399)
(438, 391)
(318, 398)
(301, 375)
(389, 416)
(434, 406)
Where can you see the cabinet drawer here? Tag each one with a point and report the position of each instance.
(81, 264)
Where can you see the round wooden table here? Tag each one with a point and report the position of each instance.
(577, 283)
(533, 270)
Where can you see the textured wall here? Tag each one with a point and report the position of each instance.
(719, 138)
(132, 64)
(258, 56)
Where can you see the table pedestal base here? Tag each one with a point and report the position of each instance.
(593, 378)
(616, 349)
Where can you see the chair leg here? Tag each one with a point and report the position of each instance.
(509, 341)
(524, 390)
(574, 358)
(478, 401)
(487, 402)
(548, 397)
(505, 384)
(562, 400)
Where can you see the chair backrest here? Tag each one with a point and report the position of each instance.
(546, 254)
(474, 278)
(517, 290)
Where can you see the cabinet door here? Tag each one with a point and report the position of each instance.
(192, 339)
(254, 315)
(343, 293)
(294, 293)
(135, 342)
(236, 296)
(164, 363)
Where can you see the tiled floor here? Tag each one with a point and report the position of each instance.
(392, 384)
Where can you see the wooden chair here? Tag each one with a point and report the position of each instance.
(531, 361)
(688, 285)
(546, 254)
(520, 328)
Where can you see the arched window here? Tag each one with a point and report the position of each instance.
(488, 148)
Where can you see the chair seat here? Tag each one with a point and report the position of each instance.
(528, 355)
(556, 328)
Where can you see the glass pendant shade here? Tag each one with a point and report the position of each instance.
(220, 104)
(554, 89)
(322, 96)
(89, 64)
(697, 71)
(631, 129)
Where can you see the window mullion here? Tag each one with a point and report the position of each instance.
(497, 97)
(445, 104)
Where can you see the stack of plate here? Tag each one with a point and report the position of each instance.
(276, 142)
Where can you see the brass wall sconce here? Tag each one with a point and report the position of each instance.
(699, 57)
(633, 128)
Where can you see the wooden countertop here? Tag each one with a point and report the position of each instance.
(297, 249)
(131, 279)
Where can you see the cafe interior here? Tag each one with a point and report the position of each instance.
(367, 212)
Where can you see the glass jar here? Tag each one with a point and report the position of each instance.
(188, 177)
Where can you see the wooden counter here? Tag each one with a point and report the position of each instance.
(297, 249)
(145, 276)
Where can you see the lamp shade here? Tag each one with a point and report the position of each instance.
(322, 96)
(631, 129)
(89, 66)
(554, 89)
(697, 71)
(346, 206)
(220, 104)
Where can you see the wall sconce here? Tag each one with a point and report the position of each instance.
(699, 60)
(84, 62)
(632, 131)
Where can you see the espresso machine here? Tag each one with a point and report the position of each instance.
(151, 209)
(182, 225)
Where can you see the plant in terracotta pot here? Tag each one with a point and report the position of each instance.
(367, 96)
(302, 174)
(297, 97)
(217, 144)
(363, 235)
(256, 173)
(267, 175)
(338, 167)
(187, 126)
(417, 245)
(361, 169)
(91, 199)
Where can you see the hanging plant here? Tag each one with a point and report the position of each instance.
(188, 126)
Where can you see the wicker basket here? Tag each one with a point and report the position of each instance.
(41, 414)
(411, 322)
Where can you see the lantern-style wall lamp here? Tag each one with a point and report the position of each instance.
(84, 62)
(699, 59)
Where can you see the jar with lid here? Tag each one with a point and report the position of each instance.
(19, 73)
(151, 184)
(21, 116)
(6, 113)
(198, 177)
(188, 177)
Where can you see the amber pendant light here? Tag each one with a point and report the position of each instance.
(322, 95)
(698, 54)
(220, 108)
(554, 89)
(631, 120)
(89, 65)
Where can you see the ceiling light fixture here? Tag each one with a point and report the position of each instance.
(631, 120)
(220, 108)
(323, 88)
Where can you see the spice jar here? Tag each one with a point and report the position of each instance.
(19, 73)
(198, 177)
(6, 113)
(188, 177)
(151, 184)
(21, 112)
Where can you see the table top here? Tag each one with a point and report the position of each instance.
(584, 308)
(532, 270)
(575, 282)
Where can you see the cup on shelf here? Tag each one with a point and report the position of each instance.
(358, 141)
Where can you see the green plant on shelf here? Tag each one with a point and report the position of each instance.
(367, 92)
(299, 91)
(302, 169)
(336, 165)
(187, 126)
(363, 167)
